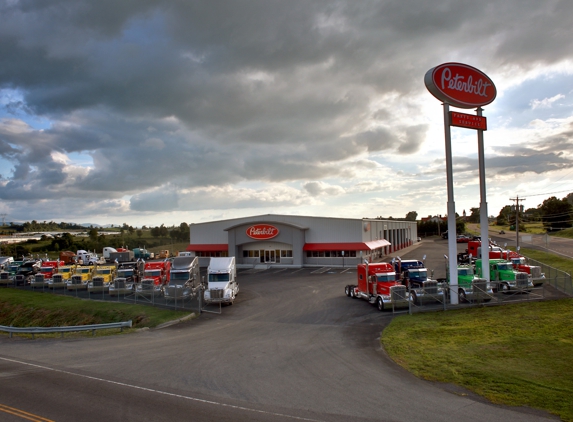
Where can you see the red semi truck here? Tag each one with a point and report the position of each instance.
(378, 285)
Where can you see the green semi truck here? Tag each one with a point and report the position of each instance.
(470, 286)
(504, 277)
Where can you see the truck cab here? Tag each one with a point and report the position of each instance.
(378, 284)
(102, 278)
(222, 286)
(47, 271)
(155, 276)
(470, 286)
(80, 279)
(520, 264)
(504, 277)
(414, 275)
(60, 278)
(184, 279)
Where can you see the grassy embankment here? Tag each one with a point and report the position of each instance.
(519, 355)
(22, 308)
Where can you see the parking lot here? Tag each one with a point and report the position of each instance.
(292, 346)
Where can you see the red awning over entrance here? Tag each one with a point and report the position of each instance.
(215, 247)
(350, 246)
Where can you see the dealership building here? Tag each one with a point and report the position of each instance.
(299, 241)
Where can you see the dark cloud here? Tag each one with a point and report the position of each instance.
(163, 97)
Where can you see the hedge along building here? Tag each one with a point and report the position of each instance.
(298, 241)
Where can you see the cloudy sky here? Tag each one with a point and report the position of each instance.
(147, 112)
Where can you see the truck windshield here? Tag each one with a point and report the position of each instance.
(124, 273)
(64, 270)
(465, 271)
(386, 277)
(219, 277)
(83, 270)
(106, 271)
(418, 274)
(504, 266)
(153, 273)
(47, 269)
(181, 276)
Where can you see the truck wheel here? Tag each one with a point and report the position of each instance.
(347, 291)
(503, 287)
(352, 292)
(413, 298)
(380, 304)
(462, 296)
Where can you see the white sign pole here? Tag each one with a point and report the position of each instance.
(452, 235)
(483, 205)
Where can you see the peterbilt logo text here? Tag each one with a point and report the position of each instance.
(457, 83)
(262, 231)
(460, 85)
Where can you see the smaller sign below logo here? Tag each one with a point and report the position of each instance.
(262, 231)
(470, 121)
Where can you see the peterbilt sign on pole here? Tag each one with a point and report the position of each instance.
(462, 86)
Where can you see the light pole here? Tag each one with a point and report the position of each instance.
(342, 259)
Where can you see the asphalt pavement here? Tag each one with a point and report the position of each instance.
(292, 347)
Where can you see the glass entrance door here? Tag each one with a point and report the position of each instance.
(270, 257)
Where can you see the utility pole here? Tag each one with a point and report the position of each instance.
(517, 208)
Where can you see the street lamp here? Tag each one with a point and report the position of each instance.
(342, 259)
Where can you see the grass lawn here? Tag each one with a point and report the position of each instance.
(519, 355)
(22, 308)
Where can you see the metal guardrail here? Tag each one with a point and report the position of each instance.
(67, 329)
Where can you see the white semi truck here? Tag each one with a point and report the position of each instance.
(222, 286)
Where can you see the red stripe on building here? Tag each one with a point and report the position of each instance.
(215, 247)
(352, 246)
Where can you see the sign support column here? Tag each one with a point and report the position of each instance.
(483, 220)
(452, 240)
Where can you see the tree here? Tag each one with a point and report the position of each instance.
(556, 213)
(474, 216)
(92, 233)
(504, 217)
(139, 233)
(411, 216)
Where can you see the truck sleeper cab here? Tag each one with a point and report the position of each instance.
(222, 285)
(184, 279)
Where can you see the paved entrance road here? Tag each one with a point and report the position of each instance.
(293, 347)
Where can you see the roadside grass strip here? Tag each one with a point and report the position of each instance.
(518, 355)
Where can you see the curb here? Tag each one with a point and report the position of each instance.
(176, 321)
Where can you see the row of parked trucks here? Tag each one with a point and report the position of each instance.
(175, 279)
(401, 282)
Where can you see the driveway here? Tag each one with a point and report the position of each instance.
(293, 346)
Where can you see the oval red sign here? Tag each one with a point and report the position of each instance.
(460, 85)
(262, 231)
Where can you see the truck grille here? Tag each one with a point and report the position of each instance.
(39, 278)
(216, 293)
(398, 293)
(431, 287)
(4, 276)
(97, 282)
(57, 278)
(19, 278)
(76, 279)
(535, 272)
(521, 280)
(119, 284)
(147, 284)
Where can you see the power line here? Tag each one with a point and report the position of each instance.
(548, 193)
